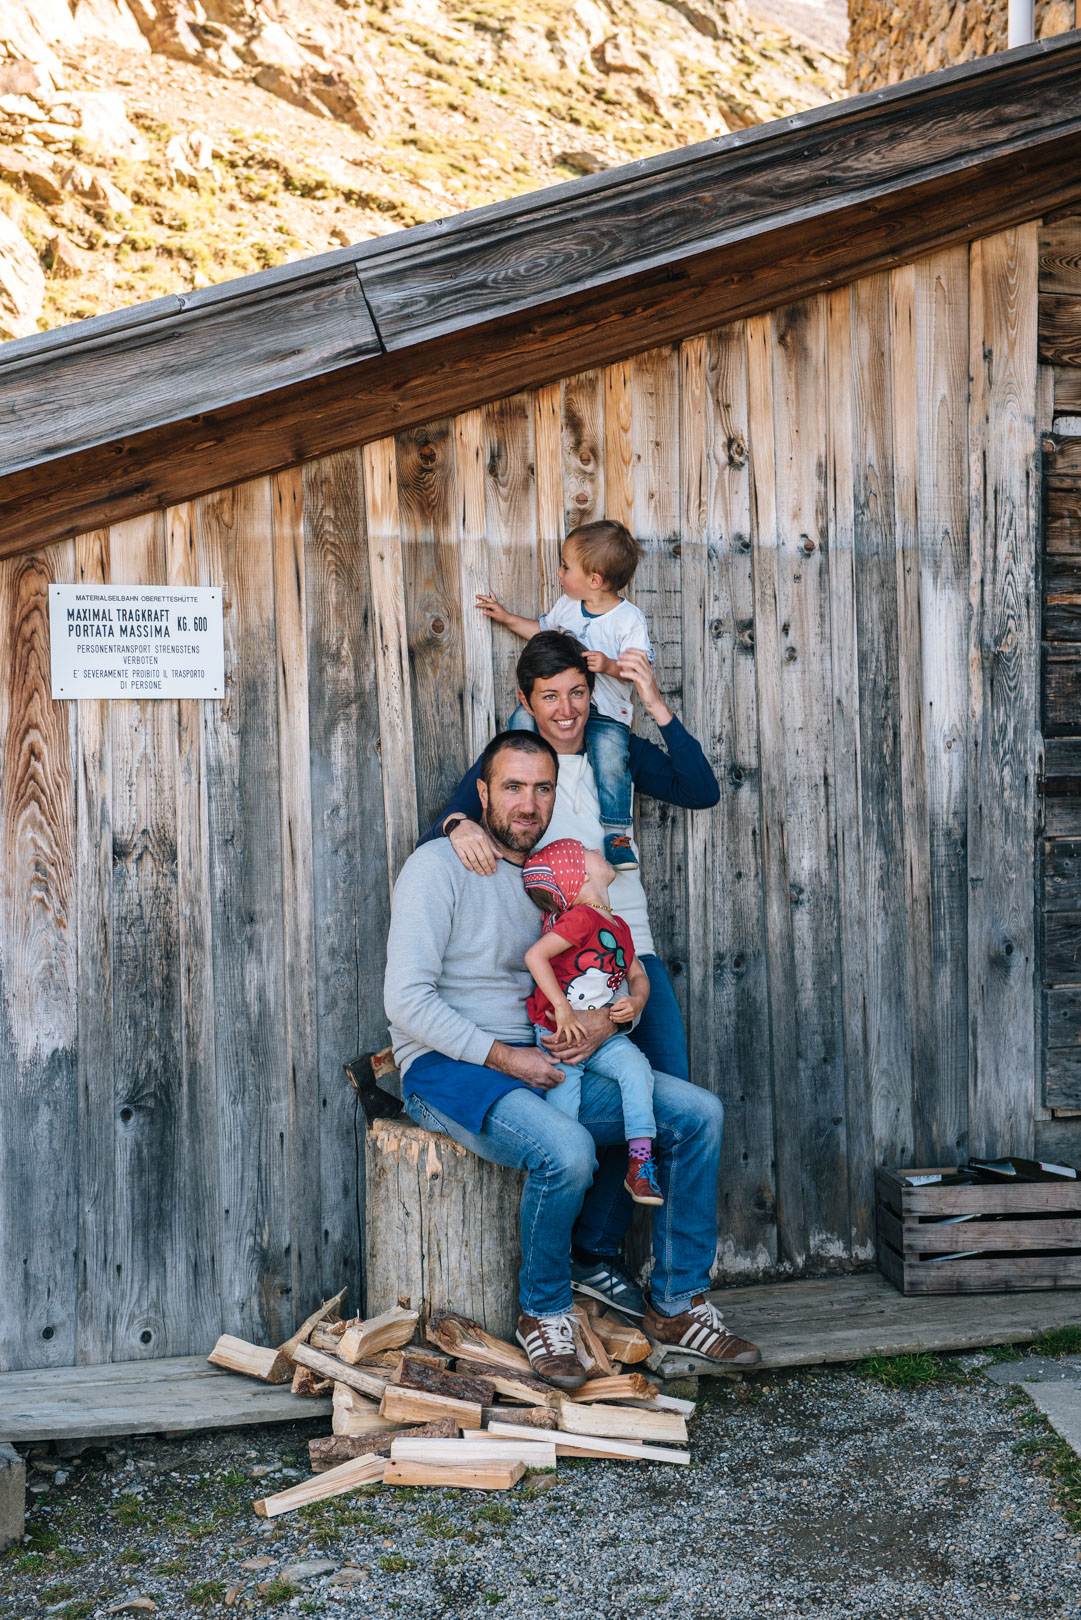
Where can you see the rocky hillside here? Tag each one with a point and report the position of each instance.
(149, 146)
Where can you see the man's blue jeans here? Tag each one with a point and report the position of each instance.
(561, 1195)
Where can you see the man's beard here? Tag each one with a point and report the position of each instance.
(520, 842)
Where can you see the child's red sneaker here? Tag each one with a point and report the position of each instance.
(641, 1181)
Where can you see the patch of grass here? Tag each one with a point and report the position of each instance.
(395, 1564)
(495, 1513)
(42, 1539)
(30, 1563)
(205, 1592)
(279, 1591)
(130, 1555)
(996, 1353)
(131, 1512)
(438, 1525)
(171, 1566)
(1061, 1341)
(56, 1594)
(912, 1370)
(233, 1479)
(82, 1610)
(493, 1597)
(1054, 1458)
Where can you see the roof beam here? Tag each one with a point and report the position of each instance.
(527, 291)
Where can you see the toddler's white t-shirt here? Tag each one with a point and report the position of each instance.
(611, 633)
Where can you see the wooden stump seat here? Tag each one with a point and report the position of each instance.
(442, 1227)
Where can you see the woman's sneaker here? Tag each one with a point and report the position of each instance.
(605, 1279)
(548, 1341)
(641, 1181)
(700, 1332)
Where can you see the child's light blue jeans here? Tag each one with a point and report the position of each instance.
(619, 1060)
(608, 746)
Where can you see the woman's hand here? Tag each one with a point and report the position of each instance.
(475, 847)
(634, 665)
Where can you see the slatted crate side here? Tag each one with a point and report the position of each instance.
(1047, 1221)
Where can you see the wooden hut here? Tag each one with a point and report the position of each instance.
(812, 364)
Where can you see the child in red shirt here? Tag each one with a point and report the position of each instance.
(583, 960)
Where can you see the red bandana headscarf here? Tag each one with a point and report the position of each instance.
(559, 868)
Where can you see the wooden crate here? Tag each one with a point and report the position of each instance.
(1036, 1245)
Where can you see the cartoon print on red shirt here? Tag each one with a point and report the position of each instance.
(592, 970)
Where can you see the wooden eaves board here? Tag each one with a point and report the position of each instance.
(147, 407)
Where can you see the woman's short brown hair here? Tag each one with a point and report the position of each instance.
(607, 549)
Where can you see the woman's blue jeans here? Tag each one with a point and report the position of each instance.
(563, 1196)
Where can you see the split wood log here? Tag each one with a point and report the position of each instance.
(526, 1388)
(523, 1417)
(484, 1476)
(466, 1340)
(460, 1386)
(328, 1308)
(417, 1406)
(622, 1342)
(587, 1445)
(392, 1360)
(366, 1383)
(534, 1451)
(331, 1449)
(237, 1355)
(442, 1226)
(335, 1482)
(666, 1403)
(387, 1332)
(590, 1349)
(327, 1336)
(620, 1387)
(621, 1423)
(356, 1415)
(305, 1382)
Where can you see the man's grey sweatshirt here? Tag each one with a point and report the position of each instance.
(456, 977)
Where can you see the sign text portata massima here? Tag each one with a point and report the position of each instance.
(136, 641)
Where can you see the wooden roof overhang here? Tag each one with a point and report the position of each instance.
(164, 401)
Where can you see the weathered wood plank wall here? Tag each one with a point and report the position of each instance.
(1060, 913)
(840, 575)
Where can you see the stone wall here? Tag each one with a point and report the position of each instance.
(890, 40)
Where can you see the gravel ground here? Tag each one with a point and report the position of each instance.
(820, 1493)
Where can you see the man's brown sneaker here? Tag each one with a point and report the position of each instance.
(700, 1332)
(548, 1341)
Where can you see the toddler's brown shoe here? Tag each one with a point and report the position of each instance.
(548, 1341)
(700, 1332)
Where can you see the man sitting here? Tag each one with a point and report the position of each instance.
(455, 992)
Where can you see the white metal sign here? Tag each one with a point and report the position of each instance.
(136, 641)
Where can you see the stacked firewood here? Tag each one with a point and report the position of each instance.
(463, 1408)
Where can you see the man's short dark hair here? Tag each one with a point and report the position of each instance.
(523, 742)
(549, 653)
